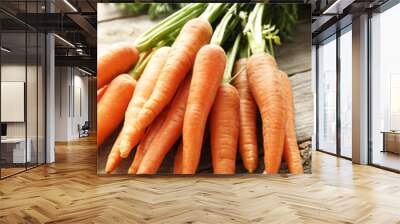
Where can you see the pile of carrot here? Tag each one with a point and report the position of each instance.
(190, 72)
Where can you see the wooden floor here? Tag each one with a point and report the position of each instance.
(69, 191)
(10, 171)
(387, 159)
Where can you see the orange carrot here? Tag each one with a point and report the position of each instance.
(291, 151)
(207, 76)
(266, 85)
(178, 160)
(194, 34)
(168, 133)
(117, 60)
(143, 90)
(114, 158)
(224, 125)
(100, 92)
(144, 144)
(112, 106)
(248, 118)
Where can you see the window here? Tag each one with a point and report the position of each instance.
(346, 92)
(333, 137)
(327, 95)
(385, 89)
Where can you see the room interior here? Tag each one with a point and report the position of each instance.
(29, 101)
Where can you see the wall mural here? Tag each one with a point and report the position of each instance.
(204, 88)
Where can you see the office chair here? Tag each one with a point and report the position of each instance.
(84, 130)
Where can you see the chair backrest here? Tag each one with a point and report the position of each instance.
(86, 125)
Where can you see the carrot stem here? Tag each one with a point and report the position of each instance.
(169, 25)
(231, 56)
(169, 40)
(144, 58)
(254, 30)
(244, 51)
(220, 33)
(213, 11)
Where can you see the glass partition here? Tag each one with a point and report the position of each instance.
(32, 96)
(327, 95)
(346, 92)
(41, 97)
(14, 151)
(385, 89)
(22, 77)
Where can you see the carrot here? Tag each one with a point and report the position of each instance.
(146, 141)
(224, 124)
(208, 72)
(178, 160)
(100, 92)
(291, 151)
(116, 61)
(143, 90)
(111, 108)
(248, 118)
(266, 85)
(225, 117)
(207, 76)
(114, 157)
(168, 133)
(194, 34)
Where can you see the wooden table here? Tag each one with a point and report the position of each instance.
(16, 154)
(391, 141)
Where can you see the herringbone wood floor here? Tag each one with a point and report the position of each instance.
(70, 192)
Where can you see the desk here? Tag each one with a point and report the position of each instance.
(391, 141)
(16, 153)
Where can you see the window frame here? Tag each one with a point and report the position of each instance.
(337, 34)
(379, 10)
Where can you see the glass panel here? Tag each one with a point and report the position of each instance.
(41, 98)
(22, 88)
(345, 94)
(386, 89)
(327, 96)
(13, 86)
(31, 98)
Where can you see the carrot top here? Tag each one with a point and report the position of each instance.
(144, 58)
(227, 23)
(231, 56)
(213, 11)
(257, 33)
(253, 29)
(172, 23)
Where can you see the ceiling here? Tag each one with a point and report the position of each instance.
(332, 15)
(74, 22)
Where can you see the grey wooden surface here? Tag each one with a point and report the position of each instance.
(294, 57)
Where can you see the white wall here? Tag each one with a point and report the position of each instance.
(33, 127)
(16, 73)
(81, 89)
(71, 94)
(61, 103)
(10, 73)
